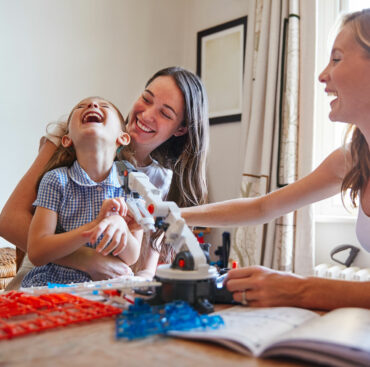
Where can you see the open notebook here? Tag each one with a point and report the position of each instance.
(338, 338)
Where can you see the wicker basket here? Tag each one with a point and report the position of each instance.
(7, 265)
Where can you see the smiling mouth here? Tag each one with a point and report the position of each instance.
(333, 96)
(92, 117)
(144, 127)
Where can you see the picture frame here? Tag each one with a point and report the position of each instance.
(220, 65)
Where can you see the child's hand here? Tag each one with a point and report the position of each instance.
(113, 207)
(114, 240)
(131, 222)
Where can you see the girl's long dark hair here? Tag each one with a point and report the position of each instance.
(185, 155)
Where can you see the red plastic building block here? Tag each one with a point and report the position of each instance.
(21, 313)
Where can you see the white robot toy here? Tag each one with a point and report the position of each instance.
(190, 277)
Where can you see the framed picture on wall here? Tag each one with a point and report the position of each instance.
(220, 64)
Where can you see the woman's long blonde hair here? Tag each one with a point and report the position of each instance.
(359, 173)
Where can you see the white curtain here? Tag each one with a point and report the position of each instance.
(271, 124)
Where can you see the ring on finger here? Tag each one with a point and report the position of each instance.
(244, 300)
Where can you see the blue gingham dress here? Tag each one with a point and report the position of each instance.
(77, 199)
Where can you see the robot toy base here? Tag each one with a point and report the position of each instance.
(197, 288)
(198, 293)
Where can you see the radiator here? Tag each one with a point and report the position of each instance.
(342, 272)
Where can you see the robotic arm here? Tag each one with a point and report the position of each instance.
(167, 214)
(189, 277)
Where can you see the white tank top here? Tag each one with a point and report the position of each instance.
(363, 229)
(159, 176)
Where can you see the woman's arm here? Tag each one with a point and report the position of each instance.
(98, 266)
(16, 216)
(269, 288)
(323, 182)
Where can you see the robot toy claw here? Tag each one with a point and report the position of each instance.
(190, 277)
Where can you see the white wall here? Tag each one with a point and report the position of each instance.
(54, 53)
(224, 165)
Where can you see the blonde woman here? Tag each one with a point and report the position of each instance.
(347, 78)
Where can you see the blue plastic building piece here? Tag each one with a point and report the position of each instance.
(142, 320)
(59, 285)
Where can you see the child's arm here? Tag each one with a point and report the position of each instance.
(117, 240)
(44, 245)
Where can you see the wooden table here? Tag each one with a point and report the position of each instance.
(93, 344)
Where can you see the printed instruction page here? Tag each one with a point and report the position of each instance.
(252, 329)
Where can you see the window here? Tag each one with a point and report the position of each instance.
(329, 135)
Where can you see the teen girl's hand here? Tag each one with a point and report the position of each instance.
(115, 231)
(112, 207)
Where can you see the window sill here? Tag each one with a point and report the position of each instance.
(335, 219)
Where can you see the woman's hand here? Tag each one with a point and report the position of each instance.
(99, 267)
(264, 287)
(115, 233)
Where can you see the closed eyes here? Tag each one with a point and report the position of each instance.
(149, 99)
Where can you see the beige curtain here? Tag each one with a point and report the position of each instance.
(271, 128)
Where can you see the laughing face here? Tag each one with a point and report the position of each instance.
(93, 118)
(347, 79)
(156, 116)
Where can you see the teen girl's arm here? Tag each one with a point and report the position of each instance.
(323, 182)
(16, 216)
